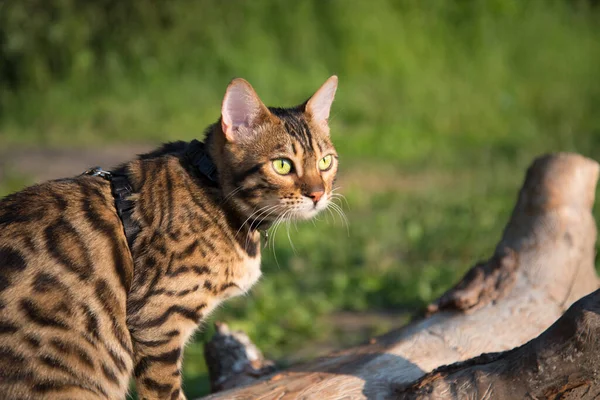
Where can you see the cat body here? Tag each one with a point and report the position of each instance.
(82, 311)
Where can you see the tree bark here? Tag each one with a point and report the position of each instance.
(233, 359)
(542, 264)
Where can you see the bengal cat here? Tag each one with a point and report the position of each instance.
(83, 310)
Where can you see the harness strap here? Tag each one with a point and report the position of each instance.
(199, 158)
(122, 190)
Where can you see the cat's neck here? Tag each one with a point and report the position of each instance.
(170, 196)
(214, 144)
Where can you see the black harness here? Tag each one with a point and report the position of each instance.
(199, 158)
(122, 190)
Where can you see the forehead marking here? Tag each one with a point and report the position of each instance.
(299, 162)
(299, 130)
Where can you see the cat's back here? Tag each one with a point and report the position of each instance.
(64, 274)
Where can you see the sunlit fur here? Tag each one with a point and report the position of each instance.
(83, 312)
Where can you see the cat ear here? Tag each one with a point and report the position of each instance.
(241, 110)
(319, 105)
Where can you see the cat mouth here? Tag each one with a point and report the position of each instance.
(268, 216)
(310, 214)
(310, 211)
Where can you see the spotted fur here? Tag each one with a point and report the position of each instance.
(82, 313)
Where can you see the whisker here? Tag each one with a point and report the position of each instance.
(340, 212)
(230, 195)
(279, 222)
(331, 213)
(252, 215)
(267, 215)
(336, 196)
(268, 212)
(339, 195)
(274, 228)
(247, 219)
(290, 238)
(256, 223)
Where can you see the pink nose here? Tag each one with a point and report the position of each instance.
(316, 196)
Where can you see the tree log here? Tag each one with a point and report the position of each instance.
(233, 359)
(542, 264)
(561, 363)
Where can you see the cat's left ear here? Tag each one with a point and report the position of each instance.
(319, 105)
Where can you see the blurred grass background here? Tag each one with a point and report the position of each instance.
(441, 107)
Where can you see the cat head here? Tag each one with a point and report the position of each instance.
(277, 162)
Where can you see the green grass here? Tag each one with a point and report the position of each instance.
(471, 79)
(11, 181)
(441, 107)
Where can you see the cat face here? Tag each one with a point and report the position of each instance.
(281, 162)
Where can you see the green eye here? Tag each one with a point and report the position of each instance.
(325, 162)
(282, 166)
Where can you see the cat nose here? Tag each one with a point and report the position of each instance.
(316, 196)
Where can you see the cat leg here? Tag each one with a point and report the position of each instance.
(158, 369)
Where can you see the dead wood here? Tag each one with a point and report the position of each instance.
(562, 363)
(542, 264)
(485, 282)
(233, 359)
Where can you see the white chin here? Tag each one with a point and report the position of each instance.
(308, 214)
(310, 211)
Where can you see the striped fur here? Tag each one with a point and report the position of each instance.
(82, 313)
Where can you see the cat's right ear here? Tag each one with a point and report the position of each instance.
(319, 105)
(241, 110)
